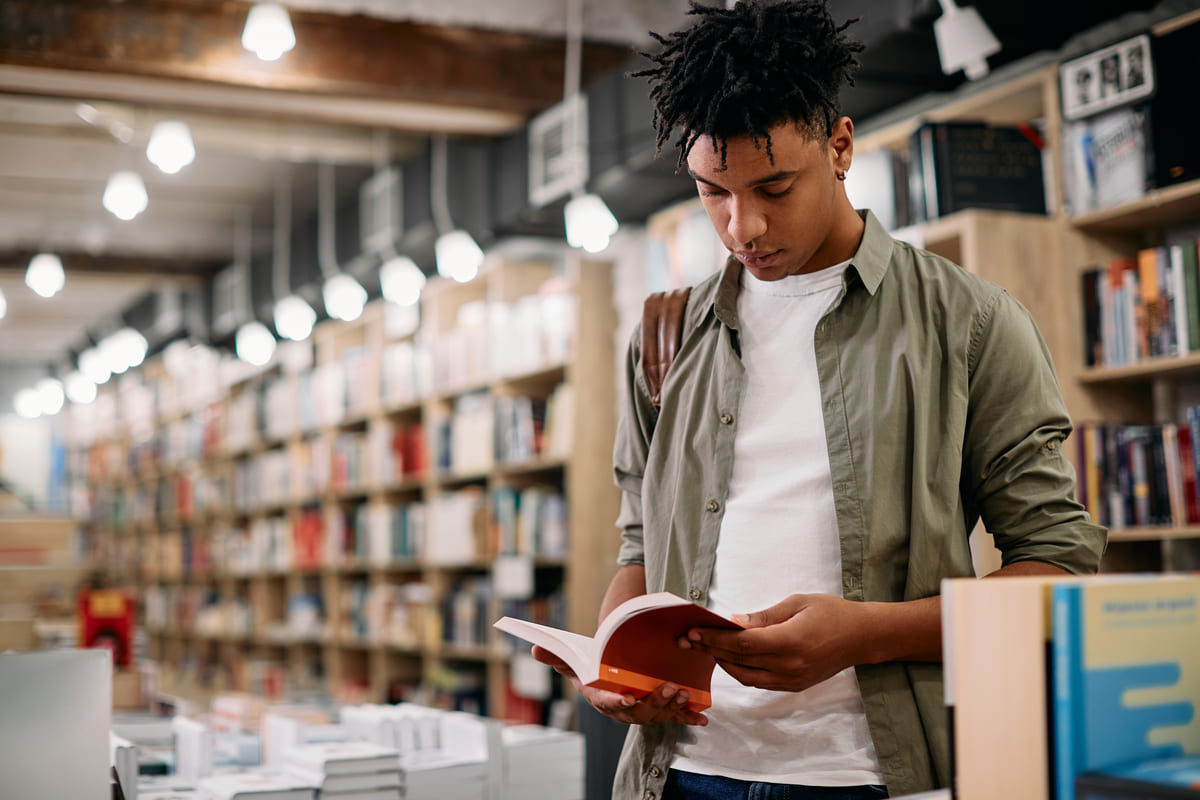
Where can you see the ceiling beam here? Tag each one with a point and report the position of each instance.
(353, 69)
(180, 271)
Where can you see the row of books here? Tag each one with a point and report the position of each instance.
(1139, 475)
(453, 528)
(494, 340)
(483, 430)
(1093, 683)
(1144, 307)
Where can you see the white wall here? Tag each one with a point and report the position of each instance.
(25, 455)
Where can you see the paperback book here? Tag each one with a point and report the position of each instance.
(635, 648)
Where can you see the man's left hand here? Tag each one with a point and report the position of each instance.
(790, 646)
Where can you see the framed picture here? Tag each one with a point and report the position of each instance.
(1113, 76)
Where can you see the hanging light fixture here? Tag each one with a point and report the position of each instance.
(28, 403)
(458, 256)
(94, 366)
(254, 343)
(45, 274)
(268, 32)
(401, 280)
(50, 395)
(294, 317)
(125, 195)
(589, 222)
(964, 41)
(344, 297)
(170, 147)
(456, 252)
(80, 388)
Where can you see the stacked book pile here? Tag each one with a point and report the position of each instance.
(346, 770)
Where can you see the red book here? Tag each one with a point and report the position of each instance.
(1187, 466)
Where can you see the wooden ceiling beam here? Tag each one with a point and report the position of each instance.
(180, 271)
(65, 46)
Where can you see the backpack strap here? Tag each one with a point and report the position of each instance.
(662, 333)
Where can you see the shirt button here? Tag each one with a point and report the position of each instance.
(727, 419)
(695, 594)
(655, 772)
(713, 506)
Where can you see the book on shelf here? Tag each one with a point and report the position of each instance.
(1126, 672)
(1153, 779)
(959, 165)
(635, 648)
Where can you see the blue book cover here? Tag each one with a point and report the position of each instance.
(1126, 672)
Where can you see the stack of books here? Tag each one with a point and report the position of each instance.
(346, 770)
(541, 762)
(254, 786)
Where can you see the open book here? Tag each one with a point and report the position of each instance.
(634, 650)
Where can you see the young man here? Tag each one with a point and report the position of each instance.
(842, 411)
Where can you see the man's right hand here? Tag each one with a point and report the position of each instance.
(664, 704)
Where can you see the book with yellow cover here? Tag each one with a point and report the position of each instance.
(634, 650)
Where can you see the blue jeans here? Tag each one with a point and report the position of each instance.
(691, 786)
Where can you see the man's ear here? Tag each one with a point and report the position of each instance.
(841, 143)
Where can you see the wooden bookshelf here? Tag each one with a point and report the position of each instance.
(249, 605)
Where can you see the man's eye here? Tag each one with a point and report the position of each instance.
(775, 194)
(707, 192)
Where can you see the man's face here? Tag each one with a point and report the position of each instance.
(773, 215)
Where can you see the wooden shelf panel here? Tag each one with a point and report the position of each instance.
(1153, 533)
(1160, 208)
(1143, 371)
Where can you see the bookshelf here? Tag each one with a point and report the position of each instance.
(331, 524)
(1040, 260)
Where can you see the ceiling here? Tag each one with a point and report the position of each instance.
(83, 81)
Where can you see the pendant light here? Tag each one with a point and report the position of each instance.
(268, 32)
(457, 254)
(589, 222)
(45, 275)
(125, 195)
(294, 317)
(344, 297)
(253, 343)
(170, 147)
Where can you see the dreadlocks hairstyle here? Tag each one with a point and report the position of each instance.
(743, 70)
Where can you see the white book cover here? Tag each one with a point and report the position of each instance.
(369, 794)
(360, 782)
(342, 758)
(255, 786)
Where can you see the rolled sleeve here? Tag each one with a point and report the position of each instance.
(1018, 473)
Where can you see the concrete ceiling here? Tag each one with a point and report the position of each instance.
(82, 84)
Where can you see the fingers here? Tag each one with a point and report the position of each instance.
(667, 703)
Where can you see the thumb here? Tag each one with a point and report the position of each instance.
(780, 612)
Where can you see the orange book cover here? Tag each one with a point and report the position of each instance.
(634, 650)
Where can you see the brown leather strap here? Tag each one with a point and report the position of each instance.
(662, 332)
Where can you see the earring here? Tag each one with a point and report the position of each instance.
(841, 174)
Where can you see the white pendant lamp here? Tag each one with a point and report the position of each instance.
(294, 318)
(590, 224)
(170, 147)
(28, 403)
(80, 389)
(254, 344)
(401, 281)
(50, 395)
(458, 256)
(344, 297)
(964, 41)
(125, 195)
(93, 365)
(268, 32)
(45, 274)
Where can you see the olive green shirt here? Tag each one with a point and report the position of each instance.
(941, 408)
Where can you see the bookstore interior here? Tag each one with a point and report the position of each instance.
(313, 329)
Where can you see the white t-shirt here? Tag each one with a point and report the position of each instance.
(779, 536)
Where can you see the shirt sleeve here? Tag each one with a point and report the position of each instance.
(635, 426)
(1018, 478)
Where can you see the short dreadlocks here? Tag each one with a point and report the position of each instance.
(746, 69)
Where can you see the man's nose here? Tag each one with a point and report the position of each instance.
(747, 221)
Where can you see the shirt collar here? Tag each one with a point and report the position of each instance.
(870, 263)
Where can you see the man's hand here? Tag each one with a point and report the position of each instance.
(790, 646)
(664, 704)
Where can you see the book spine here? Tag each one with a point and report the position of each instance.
(1191, 283)
(1066, 648)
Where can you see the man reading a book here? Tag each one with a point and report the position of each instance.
(842, 410)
